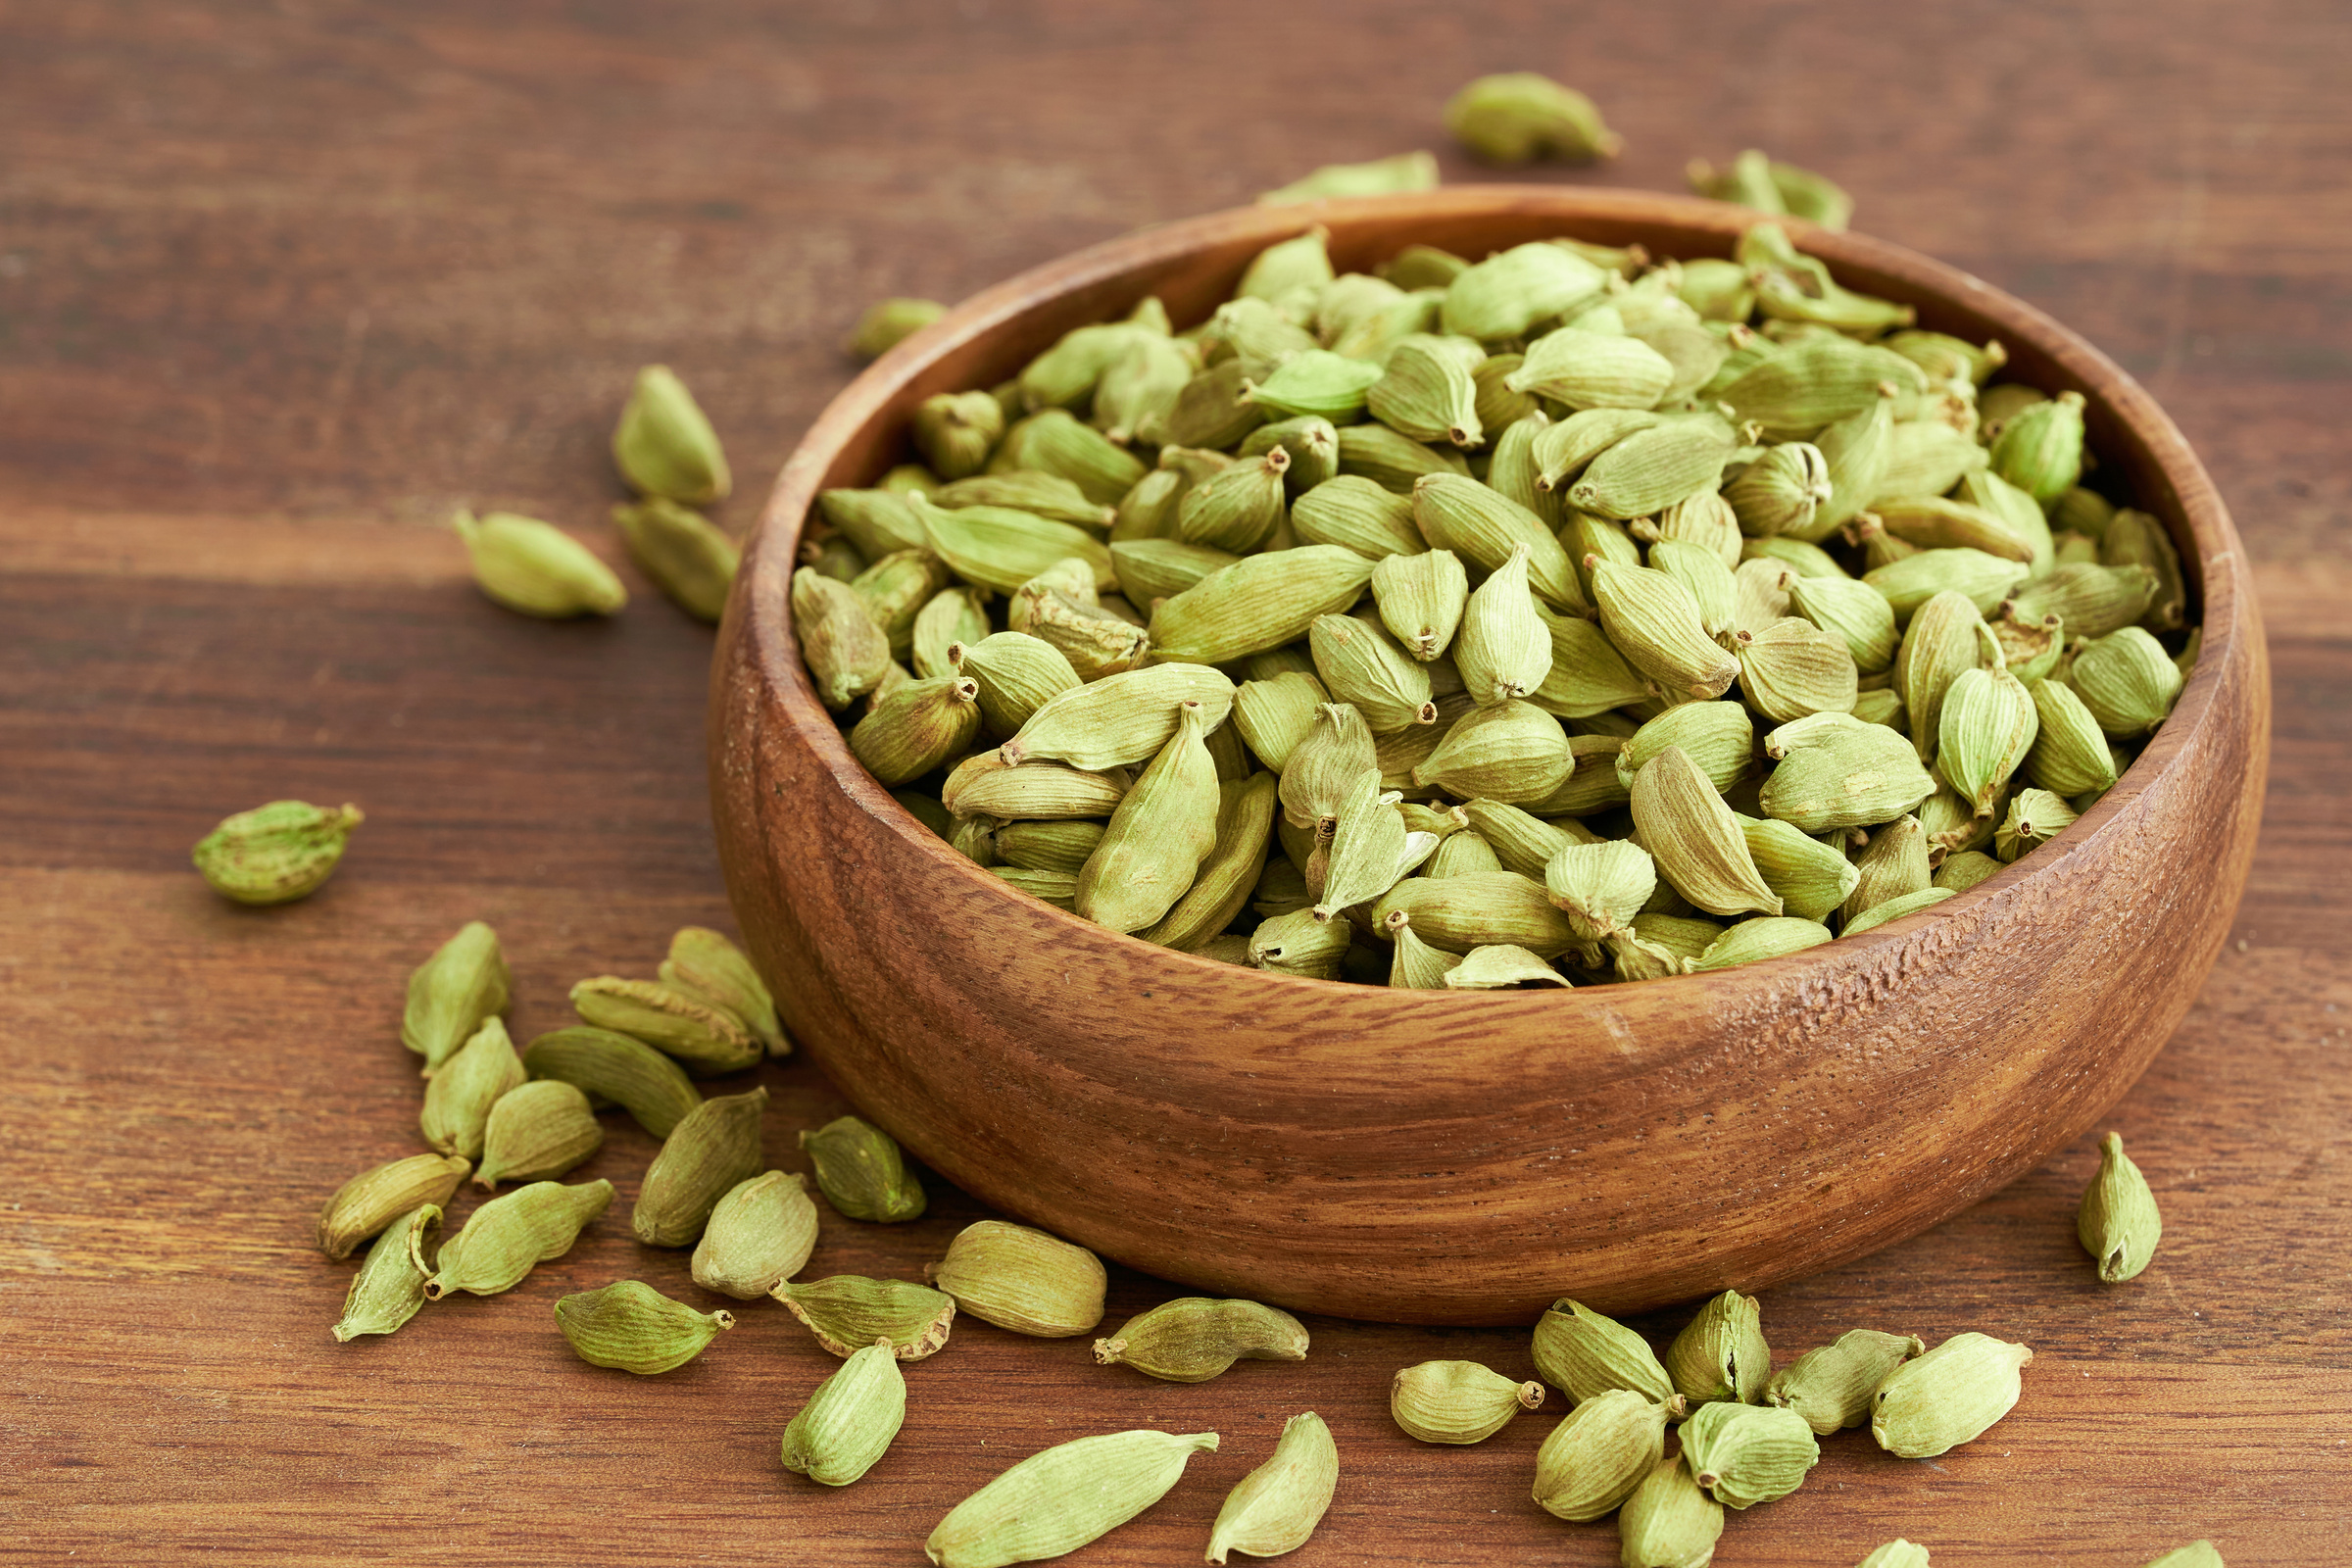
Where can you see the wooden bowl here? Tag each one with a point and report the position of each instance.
(1433, 1157)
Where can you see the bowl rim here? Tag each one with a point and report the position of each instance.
(2214, 564)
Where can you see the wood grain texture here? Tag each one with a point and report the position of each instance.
(278, 284)
(1259, 1135)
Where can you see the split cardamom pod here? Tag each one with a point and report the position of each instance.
(1721, 1354)
(389, 1288)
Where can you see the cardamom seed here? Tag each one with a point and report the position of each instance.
(1697, 843)
(863, 1173)
(633, 1327)
(458, 1098)
(1193, 1337)
(1276, 1506)
(1599, 1455)
(713, 1148)
(1056, 1500)
(1831, 1385)
(277, 853)
(1583, 1355)
(848, 1422)
(1949, 1395)
(2118, 1223)
(1744, 1454)
(707, 1038)
(537, 569)
(389, 1288)
(1021, 1279)
(374, 1198)
(758, 1236)
(503, 1239)
(451, 993)
(847, 1312)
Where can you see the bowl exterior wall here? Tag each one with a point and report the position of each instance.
(1443, 1157)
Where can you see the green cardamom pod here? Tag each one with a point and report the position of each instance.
(1898, 1554)
(1239, 509)
(1276, 1506)
(459, 1098)
(1696, 841)
(1598, 1454)
(1796, 392)
(1498, 908)
(2029, 649)
(1934, 1402)
(889, 323)
(1587, 677)
(277, 853)
(1857, 614)
(1048, 846)
(1600, 887)
(1275, 714)
(918, 727)
(1056, 1501)
(846, 650)
(1138, 389)
(451, 993)
(1518, 116)
(2092, 600)
(1362, 666)
(1354, 513)
(665, 446)
(1257, 604)
(1831, 1385)
(984, 786)
(1894, 910)
(703, 964)
(1162, 830)
(2070, 755)
(1232, 868)
(875, 523)
(688, 559)
(863, 1173)
(1381, 177)
(631, 1326)
(1964, 870)
(1748, 1454)
(501, 1241)
(894, 589)
(1510, 291)
(1065, 375)
(389, 1288)
(1122, 719)
(1587, 370)
(760, 1235)
(1985, 579)
(1655, 622)
(606, 1066)
(1583, 1355)
(847, 1312)
(1668, 1521)
(1894, 864)
(1466, 853)
(1986, 727)
(1017, 674)
(1782, 492)
(1370, 849)
(1718, 738)
(536, 1132)
(1838, 772)
(1504, 649)
(1721, 1354)
(1021, 1279)
(1318, 383)
(1163, 569)
(2039, 448)
(1512, 752)
(1393, 461)
(707, 1038)
(1772, 937)
(2127, 681)
(713, 1148)
(1301, 944)
(2134, 538)
(848, 1422)
(1648, 470)
(956, 431)
(2035, 816)
(1429, 390)
(2196, 1554)
(1053, 441)
(1790, 668)
(1193, 1337)
(1457, 1401)
(537, 568)
(373, 1200)
(1039, 495)
(1415, 965)
(1422, 599)
(1809, 877)
(2118, 1223)
(1483, 527)
(1312, 443)
(1000, 548)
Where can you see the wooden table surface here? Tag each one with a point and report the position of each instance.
(283, 284)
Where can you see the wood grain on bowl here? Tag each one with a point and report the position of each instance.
(1445, 1157)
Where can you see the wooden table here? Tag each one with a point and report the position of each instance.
(281, 286)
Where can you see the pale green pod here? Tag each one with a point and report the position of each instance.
(1162, 830)
(1716, 288)
(389, 1288)
(275, 854)
(1504, 647)
(1285, 265)
(1696, 839)
(686, 557)
(501, 1241)
(1457, 1401)
(886, 323)
(1701, 570)
(1317, 383)
(1718, 737)
(847, 652)
(1652, 470)
(863, 1173)
(1429, 390)
(2134, 538)
(451, 992)
(1950, 1396)
(1483, 527)
(1668, 1521)
(1195, 1338)
(2035, 816)
(1120, 719)
(1894, 910)
(1598, 1454)
(1496, 909)
(1796, 392)
(1589, 539)
(1000, 548)
(369, 1202)
(2196, 1554)
(1562, 451)
(1048, 846)
(1211, 411)
(1964, 870)
(1927, 458)
(1354, 513)
(1367, 850)
(1510, 291)
(1299, 944)
(1255, 333)
(1831, 1385)
(665, 446)
(1053, 441)
(1935, 523)
(1163, 569)
(1517, 117)
(1021, 1279)
(537, 569)
(1858, 613)
(2039, 448)
(1801, 559)
(1782, 492)
(985, 786)
(1324, 764)
(1362, 666)
(1987, 725)
(1257, 604)
(1900, 1553)
(2128, 683)
(760, 1235)
(2118, 1223)
(631, 1326)
(1138, 389)
(1983, 580)
(1946, 638)
(1276, 1506)
(1017, 674)
(707, 1038)
(1392, 461)
(1065, 375)
(846, 1312)
(2017, 510)
(1496, 406)
(1380, 177)
(1744, 1454)
(1583, 1355)
(1855, 451)
(715, 1146)
(536, 1132)
(1721, 1353)
(876, 521)
(1811, 878)
(1771, 936)
(1841, 772)
(1511, 752)
(1655, 624)
(1587, 370)
(2093, 601)
(1893, 866)
(848, 1422)
(1274, 714)
(1415, 965)
(1588, 676)
(1056, 1501)
(458, 1098)
(952, 617)
(956, 431)
(917, 728)
(1238, 509)
(703, 963)
(1600, 887)
(1422, 599)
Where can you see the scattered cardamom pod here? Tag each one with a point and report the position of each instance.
(1744, 1454)
(1831, 1385)
(606, 1066)
(277, 853)
(458, 1098)
(1275, 1508)
(389, 1288)
(535, 1132)
(848, 1422)
(889, 323)
(847, 1312)
(688, 559)
(1896, 1554)
(1721, 1354)
(1193, 1337)
(2118, 1223)
(699, 1034)
(1519, 117)
(1934, 1402)
(1021, 1279)
(1056, 1501)
(631, 1326)
(758, 1236)
(1670, 1521)
(1599, 1455)
(501, 1241)
(713, 1147)
(373, 1200)
(537, 569)
(451, 993)
(2196, 1554)
(863, 1173)
(1582, 1354)
(1457, 1401)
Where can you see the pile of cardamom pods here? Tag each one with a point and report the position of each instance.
(1557, 617)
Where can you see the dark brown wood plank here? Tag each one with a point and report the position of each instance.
(281, 285)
